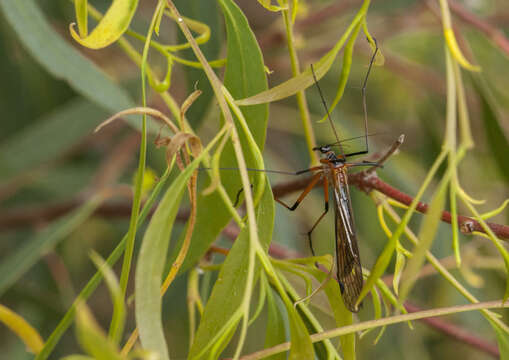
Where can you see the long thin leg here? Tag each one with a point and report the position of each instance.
(237, 199)
(364, 106)
(326, 198)
(312, 184)
(300, 172)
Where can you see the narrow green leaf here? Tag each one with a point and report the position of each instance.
(28, 254)
(426, 235)
(244, 73)
(377, 309)
(208, 13)
(302, 347)
(342, 315)
(305, 79)
(261, 302)
(494, 239)
(383, 260)
(92, 284)
(111, 27)
(62, 60)
(244, 76)
(497, 140)
(226, 296)
(22, 329)
(152, 258)
(119, 313)
(275, 333)
(150, 268)
(92, 338)
(345, 70)
(496, 211)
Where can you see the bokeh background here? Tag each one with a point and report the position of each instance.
(41, 179)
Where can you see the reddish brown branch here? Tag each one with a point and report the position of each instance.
(367, 182)
(466, 224)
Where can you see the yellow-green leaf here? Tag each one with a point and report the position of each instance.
(22, 329)
(118, 317)
(427, 233)
(345, 70)
(92, 338)
(305, 79)
(452, 44)
(275, 8)
(275, 333)
(152, 257)
(111, 27)
(81, 8)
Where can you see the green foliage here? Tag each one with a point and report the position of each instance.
(299, 307)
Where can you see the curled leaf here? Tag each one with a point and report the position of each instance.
(456, 53)
(496, 211)
(189, 101)
(267, 4)
(140, 110)
(201, 28)
(161, 86)
(179, 140)
(111, 27)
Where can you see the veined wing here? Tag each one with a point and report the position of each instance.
(348, 263)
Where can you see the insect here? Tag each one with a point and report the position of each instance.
(333, 172)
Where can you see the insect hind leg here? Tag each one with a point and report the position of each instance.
(314, 226)
(326, 198)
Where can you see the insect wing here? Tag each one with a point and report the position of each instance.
(348, 264)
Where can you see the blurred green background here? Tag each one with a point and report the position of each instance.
(49, 157)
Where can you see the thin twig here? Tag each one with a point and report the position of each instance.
(368, 182)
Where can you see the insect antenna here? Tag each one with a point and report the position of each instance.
(327, 111)
(355, 137)
(363, 91)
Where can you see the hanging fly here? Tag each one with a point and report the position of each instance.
(333, 173)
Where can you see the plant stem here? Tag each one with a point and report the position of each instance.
(301, 97)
